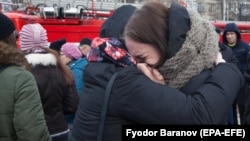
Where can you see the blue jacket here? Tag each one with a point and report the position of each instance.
(77, 67)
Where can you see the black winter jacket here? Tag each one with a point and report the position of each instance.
(135, 99)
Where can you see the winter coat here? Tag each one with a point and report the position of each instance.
(21, 113)
(228, 55)
(241, 51)
(135, 99)
(245, 97)
(77, 67)
(57, 97)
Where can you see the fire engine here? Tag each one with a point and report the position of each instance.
(72, 21)
(244, 28)
(76, 19)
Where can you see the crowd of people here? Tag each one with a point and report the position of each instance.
(172, 71)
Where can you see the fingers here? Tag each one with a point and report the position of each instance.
(150, 72)
(143, 67)
(219, 59)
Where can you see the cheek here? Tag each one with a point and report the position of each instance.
(153, 59)
(63, 58)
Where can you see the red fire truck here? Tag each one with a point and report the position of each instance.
(70, 22)
(244, 28)
(80, 18)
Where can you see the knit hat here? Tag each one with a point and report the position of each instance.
(71, 50)
(85, 41)
(57, 44)
(33, 37)
(6, 26)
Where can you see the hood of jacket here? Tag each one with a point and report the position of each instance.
(178, 26)
(115, 24)
(233, 28)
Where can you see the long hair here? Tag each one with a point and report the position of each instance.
(147, 25)
(63, 67)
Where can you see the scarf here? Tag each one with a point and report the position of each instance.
(198, 52)
(109, 50)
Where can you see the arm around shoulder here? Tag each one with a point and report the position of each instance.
(151, 103)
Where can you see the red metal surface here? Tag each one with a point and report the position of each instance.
(73, 32)
(73, 29)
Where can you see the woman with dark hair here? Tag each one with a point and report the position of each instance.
(22, 117)
(175, 48)
(54, 79)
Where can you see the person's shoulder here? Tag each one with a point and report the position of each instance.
(107, 69)
(18, 72)
(15, 70)
(82, 60)
(244, 43)
(15, 74)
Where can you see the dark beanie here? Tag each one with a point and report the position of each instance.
(57, 44)
(85, 41)
(6, 26)
(115, 24)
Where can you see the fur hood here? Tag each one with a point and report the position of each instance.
(11, 55)
(45, 59)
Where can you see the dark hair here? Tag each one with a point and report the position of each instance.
(147, 25)
(85, 41)
(10, 39)
(63, 67)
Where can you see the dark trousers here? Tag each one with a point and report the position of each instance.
(63, 137)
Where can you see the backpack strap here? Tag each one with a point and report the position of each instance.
(105, 107)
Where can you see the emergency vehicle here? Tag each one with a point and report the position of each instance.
(76, 19)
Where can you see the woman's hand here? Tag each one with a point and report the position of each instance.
(219, 59)
(152, 73)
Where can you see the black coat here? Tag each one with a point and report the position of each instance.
(228, 55)
(136, 99)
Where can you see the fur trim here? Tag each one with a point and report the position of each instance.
(41, 59)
